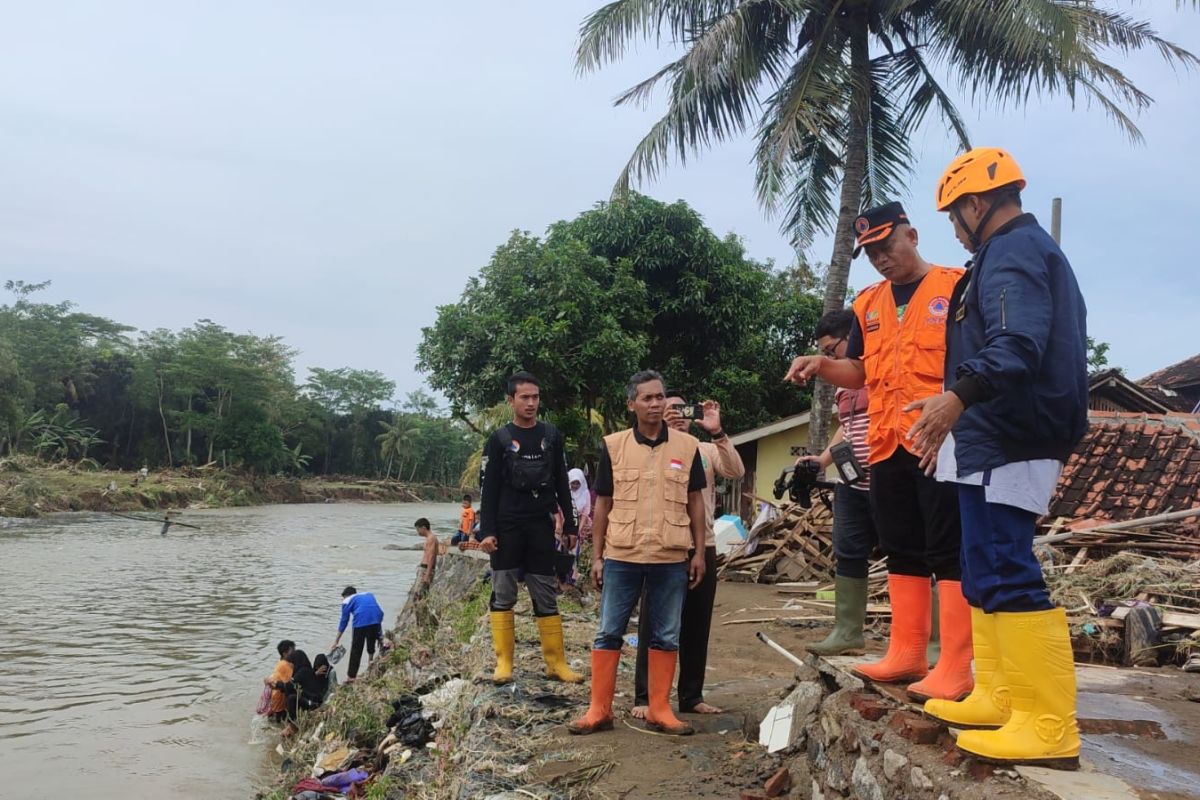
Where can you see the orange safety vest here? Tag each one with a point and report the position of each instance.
(904, 360)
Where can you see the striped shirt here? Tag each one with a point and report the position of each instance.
(852, 414)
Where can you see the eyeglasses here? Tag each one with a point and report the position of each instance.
(831, 350)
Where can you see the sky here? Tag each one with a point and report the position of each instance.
(333, 172)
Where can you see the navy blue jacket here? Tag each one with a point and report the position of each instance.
(1016, 351)
(364, 608)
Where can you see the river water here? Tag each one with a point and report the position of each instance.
(130, 662)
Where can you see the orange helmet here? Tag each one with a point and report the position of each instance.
(976, 171)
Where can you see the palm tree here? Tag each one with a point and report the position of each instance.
(835, 89)
(395, 442)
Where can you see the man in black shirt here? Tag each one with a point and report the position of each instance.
(524, 483)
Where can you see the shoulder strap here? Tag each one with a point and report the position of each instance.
(504, 437)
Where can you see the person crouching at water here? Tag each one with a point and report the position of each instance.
(524, 481)
(306, 689)
(281, 674)
(649, 514)
(368, 627)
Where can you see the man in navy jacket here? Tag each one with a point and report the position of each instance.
(1014, 408)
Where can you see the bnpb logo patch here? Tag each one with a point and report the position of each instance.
(862, 225)
(939, 306)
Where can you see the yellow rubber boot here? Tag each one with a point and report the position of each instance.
(551, 632)
(989, 705)
(503, 632)
(1039, 667)
(599, 716)
(951, 678)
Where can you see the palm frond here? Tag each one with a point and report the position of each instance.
(808, 104)
(714, 86)
(889, 156)
(605, 34)
(917, 89)
(811, 180)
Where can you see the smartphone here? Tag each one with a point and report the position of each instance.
(693, 411)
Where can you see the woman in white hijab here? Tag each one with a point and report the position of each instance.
(583, 502)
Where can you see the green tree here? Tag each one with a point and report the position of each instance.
(835, 89)
(571, 318)
(348, 394)
(1097, 355)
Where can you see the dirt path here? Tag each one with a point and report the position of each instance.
(745, 678)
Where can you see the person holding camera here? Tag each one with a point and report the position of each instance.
(720, 458)
(524, 484)
(897, 350)
(854, 533)
(649, 517)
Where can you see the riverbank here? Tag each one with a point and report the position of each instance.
(846, 738)
(29, 488)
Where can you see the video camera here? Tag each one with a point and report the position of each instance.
(799, 482)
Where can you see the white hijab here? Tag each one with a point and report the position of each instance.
(580, 496)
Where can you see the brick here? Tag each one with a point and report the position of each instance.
(953, 758)
(753, 794)
(979, 770)
(869, 708)
(778, 783)
(917, 730)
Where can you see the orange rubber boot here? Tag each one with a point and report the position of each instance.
(905, 659)
(951, 678)
(660, 678)
(599, 716)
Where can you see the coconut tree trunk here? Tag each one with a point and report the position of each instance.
(162, 416)
(853, 174)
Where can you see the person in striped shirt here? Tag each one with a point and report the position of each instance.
(854, 535)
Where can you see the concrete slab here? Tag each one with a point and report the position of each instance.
(1076, 785)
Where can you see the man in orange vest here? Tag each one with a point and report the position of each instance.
(896, 349)
(649, 514)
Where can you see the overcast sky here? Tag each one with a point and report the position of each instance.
(332, 172)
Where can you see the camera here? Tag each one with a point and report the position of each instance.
(690, 411)
(799, 481)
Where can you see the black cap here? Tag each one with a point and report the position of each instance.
(878, 223)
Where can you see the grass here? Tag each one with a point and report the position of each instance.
(464, 617)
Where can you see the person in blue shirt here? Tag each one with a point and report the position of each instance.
(367, 616)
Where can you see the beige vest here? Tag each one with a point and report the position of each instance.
(649, 521)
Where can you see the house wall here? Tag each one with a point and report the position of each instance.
(774, 455)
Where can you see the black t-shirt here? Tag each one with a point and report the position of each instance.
(501, 505)
(902, 293)
(604, 478)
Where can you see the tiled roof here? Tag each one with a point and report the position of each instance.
(1112, 391)
(1130, 466)
(1184, 373)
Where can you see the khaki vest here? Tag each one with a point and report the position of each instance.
(649, 521)
(904, 359)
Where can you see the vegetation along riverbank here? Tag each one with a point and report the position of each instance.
(30, 488)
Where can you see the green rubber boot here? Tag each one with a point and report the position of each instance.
(933, 650)
(850, 612)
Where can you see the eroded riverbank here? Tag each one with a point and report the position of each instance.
(132, 661)
(30, 489)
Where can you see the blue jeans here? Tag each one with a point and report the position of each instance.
(665, 586)
(999, 569)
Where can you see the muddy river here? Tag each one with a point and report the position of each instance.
(131, 662)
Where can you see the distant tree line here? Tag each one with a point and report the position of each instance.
(82, 388)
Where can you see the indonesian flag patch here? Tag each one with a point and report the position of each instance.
(676, 463)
